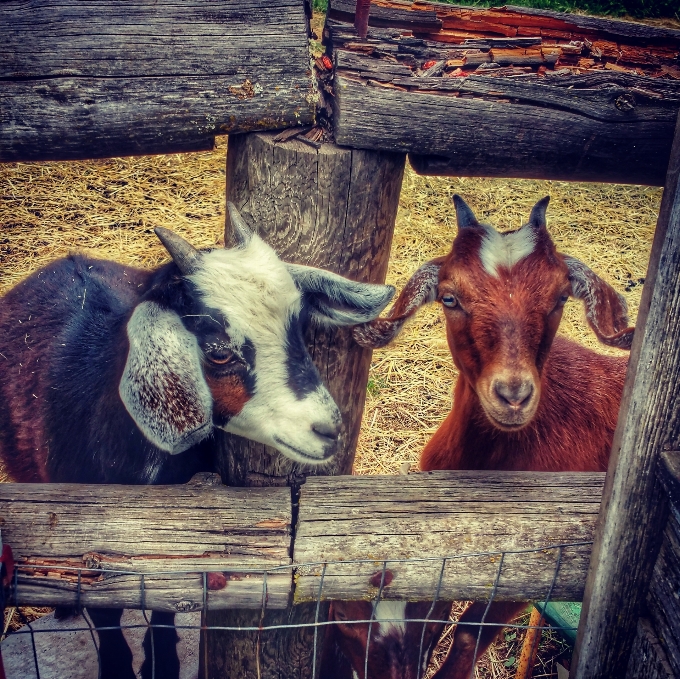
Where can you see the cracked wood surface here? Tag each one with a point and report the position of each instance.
(515, 92)
(56, 529)
(446, 514)
(97, 79)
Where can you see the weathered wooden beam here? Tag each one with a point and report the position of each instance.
(96, 79)
(634, 506)
(509, 93)
(171, 534)
(358, 525)
(174, 534)
(488, 135)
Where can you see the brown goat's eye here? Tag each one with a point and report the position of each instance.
(220, 357)
(449, 301)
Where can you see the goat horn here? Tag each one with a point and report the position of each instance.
(465, 217)
(537, 216)
(185, 255)
(242, 232)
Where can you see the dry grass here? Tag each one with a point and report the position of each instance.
(110, 208)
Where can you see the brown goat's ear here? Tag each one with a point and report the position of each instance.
(162, 386)
(606, 309)
(420, 289)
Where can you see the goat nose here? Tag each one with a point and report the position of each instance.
(514, 394)
(327, 430)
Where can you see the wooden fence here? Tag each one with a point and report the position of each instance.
(97, 79)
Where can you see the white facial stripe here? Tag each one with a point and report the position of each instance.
(391, 616)
(505, 249)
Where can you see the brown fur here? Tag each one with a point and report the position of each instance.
(230, 394)
(501, 333)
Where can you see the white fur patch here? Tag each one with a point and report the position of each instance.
(391, 615)
(505, 249)
(162, 386)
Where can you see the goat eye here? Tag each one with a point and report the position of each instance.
(220, 357)
(449, 301)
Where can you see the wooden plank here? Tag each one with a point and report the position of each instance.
(95, 79)
(647, 658)
(497, 137)
(413, 17)
(634, 506)
(356, 524)
(172, 534)
(521, 94)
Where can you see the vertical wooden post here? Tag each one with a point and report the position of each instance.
(632, 515)
(333, 208)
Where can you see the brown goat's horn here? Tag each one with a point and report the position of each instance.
(465, 217)
(185, 255)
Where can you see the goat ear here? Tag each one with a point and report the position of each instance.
(420, 289)
(162, 386)
(338, 300)
(465, 217)
(606, 309)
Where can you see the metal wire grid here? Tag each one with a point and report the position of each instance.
(558, 549)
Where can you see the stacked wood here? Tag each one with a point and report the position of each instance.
(401, 89)
(98, 79)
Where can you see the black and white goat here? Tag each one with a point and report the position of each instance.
(117, 375)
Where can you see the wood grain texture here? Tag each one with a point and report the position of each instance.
(662, 599)
(446, 514)
(95, 79)
(647, 657)
(513, 92)
(634, 505)
(506, 130)
(152, 530)
(333, 208)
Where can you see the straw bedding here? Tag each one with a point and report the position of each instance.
(110, 207)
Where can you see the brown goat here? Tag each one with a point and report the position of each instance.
(524, 400)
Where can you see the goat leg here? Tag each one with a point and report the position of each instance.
(461, 658)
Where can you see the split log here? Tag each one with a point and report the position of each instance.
(332, 208)
(491, 135)
(596, 99)
(90, 545)
(469, 518)
(98, 79)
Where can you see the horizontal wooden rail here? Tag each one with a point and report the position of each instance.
(209, 545)
(507, 91)
(97, 79)
(173, 534)
(408, 524)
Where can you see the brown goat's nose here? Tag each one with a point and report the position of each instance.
(515, 394)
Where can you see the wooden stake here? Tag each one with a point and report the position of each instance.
(527, 658)
(333, 208)
(634, 506)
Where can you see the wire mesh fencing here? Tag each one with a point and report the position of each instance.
(41, 650)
